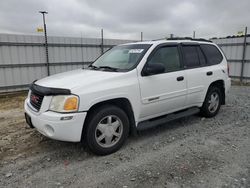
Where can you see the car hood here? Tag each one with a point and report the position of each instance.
(78, 78)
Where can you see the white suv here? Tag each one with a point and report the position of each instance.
(130, 88)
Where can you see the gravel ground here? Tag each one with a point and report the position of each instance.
(190, 152)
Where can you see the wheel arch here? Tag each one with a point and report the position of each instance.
(122, 103)
(221, 85)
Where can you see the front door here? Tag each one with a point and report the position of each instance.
(166, 92)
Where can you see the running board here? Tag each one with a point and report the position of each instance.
(164, 119)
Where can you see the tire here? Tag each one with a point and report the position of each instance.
(213, 98)
(107, 130)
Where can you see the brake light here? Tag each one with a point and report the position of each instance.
(228, 68)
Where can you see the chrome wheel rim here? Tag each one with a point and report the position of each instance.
(213, 102)
(108, 131)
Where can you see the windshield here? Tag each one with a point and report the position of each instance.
(122, 57)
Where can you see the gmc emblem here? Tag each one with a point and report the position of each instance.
(34, 98)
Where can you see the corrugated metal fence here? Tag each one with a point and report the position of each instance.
(239, 61)
(23, 59)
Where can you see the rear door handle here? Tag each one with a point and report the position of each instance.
(180, 78)
(209, 73)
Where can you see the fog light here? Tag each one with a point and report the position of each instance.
(66, 118)
(49, 130)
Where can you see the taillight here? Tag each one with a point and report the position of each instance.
(228, 68)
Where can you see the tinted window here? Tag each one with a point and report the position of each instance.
(168, 56)
(191, 56)
(212, 53)
(201, 56)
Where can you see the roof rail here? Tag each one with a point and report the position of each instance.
(180, 38)
(159, 39)
(189, 38)
(201, 39)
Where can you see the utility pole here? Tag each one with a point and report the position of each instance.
(46, 40)
(193, 34)
(141, 36)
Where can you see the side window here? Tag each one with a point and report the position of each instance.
(212, 53)
(191, 56)
(201, 57)
(168, 56)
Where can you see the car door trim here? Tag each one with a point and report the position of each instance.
(164, 96)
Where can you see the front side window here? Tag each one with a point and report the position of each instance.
(167, 56)
(191, 56)
(121, 58)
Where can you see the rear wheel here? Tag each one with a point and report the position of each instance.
(107, 130)
(212, 103)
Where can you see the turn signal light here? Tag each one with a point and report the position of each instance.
(71, 103)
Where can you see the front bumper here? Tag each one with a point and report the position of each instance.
(50, 124)
(227, 85)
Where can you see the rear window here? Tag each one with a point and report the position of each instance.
(212, 53)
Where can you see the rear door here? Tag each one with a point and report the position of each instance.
(196, 72)
(166, 92)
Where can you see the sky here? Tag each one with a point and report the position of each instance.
(126, 19)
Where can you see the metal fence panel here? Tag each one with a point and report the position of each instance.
(247, 70)
(23, 60)
(233, 49)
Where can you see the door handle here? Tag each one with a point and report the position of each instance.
(209, 73)
(180, 78)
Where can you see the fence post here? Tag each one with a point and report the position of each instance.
(47, 52)
(243, 55)
(82, 50)
(102, 49)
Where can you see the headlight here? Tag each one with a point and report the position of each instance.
(64, 103)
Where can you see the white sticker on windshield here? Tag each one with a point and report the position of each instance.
(136, 51)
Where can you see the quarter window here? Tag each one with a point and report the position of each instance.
(212, 53)
(168, 56)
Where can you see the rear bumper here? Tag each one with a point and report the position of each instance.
(50, 124)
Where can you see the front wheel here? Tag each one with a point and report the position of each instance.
(107, 130)
(212, 103)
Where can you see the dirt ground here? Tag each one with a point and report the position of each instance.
(190, 152)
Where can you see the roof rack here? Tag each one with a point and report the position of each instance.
(189, 38)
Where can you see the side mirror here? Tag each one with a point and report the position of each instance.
(153, 68)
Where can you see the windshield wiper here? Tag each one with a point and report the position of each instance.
(102, 67)
(108, 67)
(93, 66)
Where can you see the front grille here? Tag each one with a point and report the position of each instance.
(36, 100)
